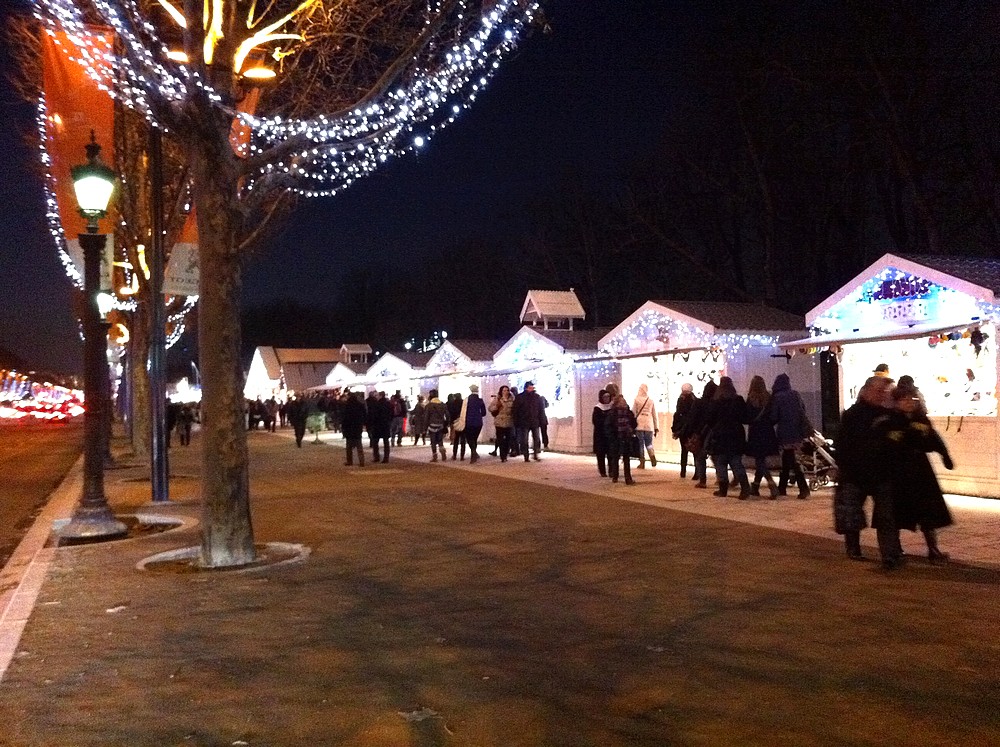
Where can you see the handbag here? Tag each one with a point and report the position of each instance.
(693, 443)
(634, 446)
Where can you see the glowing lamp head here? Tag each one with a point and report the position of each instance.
(105, 303)
(259, 74)
(94, 183)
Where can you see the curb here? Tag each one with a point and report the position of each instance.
(22, 577)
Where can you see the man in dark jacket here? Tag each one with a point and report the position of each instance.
(297, 413)
(863, 470)
(380, 425)
(528, 413)
(475, 411)
(352, 425)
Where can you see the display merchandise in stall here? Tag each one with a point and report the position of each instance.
(932, 318)
(666, 344)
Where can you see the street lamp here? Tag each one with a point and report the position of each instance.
(94, 183)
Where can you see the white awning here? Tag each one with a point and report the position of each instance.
(904, 333)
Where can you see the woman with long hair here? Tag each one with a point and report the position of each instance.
(761, 439)
(502, 410)
(728, 440)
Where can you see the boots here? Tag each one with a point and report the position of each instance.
(934, 554)
(652, 458)
(744, 488)
(723, 490)
(444, 455)
(755, 488)
(852, 543)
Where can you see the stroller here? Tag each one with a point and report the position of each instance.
(815, 457)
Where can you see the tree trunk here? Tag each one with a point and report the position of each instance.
(138, 351)
(227, 532)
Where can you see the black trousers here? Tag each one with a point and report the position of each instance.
(505, 442)
(615, 454)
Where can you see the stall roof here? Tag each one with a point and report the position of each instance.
(477, 350)
(416, 360)
(549, 304)
(302, 376)
(978, 277)
(575, 340)
(905, 333)
(307, 355)
(734, 315)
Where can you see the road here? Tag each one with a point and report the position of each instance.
(34, 458)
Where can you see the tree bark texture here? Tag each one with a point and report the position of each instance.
(227, 531)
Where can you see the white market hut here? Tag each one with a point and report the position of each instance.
(551, 309)
(402, 371)
(347, 376)
(934, 318)
(275, 372)
(456, 365)
(556, 362)
(665, 344)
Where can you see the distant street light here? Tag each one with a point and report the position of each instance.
(94, 184)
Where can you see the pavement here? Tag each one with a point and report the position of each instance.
(497, 604)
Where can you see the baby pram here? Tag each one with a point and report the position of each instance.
(816, 460)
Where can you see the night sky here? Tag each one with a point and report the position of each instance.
(584, 100)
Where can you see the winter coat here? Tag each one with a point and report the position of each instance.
(861, 446)
(788, 414)
(436, 416)
(645, 411)
(353, 422)
(379, 418)
(725, 426)
(454, 405)
(475, 411)
(597, 418)
(418, 418)
(916, 496)
(528, 410)
(682, 414)
(297, 412)
(505, 414)
(619, 425)
(761, 439)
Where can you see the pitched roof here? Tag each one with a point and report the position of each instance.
(737, 315)
(306, 355)
(417, 360)
(981, 271)
(477, 350)
(269, 357)
(356, 347)
(539, 304)
(302, 376)
(577, 340)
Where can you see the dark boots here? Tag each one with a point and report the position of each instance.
(723, 490)
(744, 488)
(852, 543)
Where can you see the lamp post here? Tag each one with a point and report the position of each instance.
(94, 183)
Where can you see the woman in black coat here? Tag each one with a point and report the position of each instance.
(916, 496)
(597, 419)
(727, 439)
(697, 429)
(762, 442)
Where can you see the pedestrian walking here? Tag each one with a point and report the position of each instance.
(863, 470)
(682, 416)
(352, 424)
(597, 419)
(696, 433)
(185, 419)
(418, 421)
(528, 414)
(380, 426)
(727, 439)
(620, 428)
(457, 424)
(762, 443)
(644, 410)
(503, 421)
(297, 414)
(437, 419)
(916, 495)
(475, 410)
(399, 412)
(792, 426)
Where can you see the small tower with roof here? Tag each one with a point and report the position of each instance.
(551, 309)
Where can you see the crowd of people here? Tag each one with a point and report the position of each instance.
(881, 448)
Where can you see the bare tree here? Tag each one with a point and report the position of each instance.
(357, 82)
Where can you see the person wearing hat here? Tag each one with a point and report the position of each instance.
(528, 414)
(475, 411)
(882, 369)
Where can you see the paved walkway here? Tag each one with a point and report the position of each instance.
(445, 604)
(973, 539)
